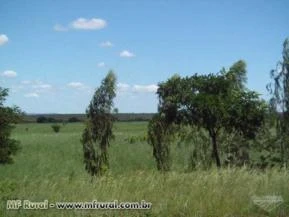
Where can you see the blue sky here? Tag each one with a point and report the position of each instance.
(53, 54)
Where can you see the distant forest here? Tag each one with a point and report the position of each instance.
(58, 118)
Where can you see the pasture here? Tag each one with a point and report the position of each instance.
(50, 167)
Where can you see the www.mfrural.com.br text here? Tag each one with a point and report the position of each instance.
(94, 204)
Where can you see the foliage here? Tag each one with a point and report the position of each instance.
(8, 117)
(159, 134)
(196, 145)
(43, 119)
(56, 127)
(214, 102)
(136, 139)
(279, 89)
(73, 120)
(98, 132)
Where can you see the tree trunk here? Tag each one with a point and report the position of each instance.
(215, 149)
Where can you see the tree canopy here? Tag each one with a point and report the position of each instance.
(98, 132)
(8, 117)
(279, 89)
(213, 102)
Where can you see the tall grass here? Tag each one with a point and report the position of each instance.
(50, 167)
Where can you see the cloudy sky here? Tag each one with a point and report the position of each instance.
(53, 54)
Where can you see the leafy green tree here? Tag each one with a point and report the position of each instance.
(98, 132)
(279, 88)
(8, 117)
(213, 102)
(159, 135)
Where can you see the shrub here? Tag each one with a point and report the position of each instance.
(56, 127)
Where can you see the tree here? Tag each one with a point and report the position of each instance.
(98, 132)
(8, 117)
(159, 134)
(55, 127)
(279, 88)
(213, 102)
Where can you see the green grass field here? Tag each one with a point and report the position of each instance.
(50, 167)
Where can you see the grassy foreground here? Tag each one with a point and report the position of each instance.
(49, 167)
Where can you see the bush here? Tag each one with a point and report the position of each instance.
(56, 127)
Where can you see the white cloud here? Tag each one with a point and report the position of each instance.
(42, 86)
(32, 82)
(152, 88)
(36, 84)
(60, 28)
(126, 53)
(106, 44)
(31, 95)
(84, 24)
(25, 82)
(3, 39)
(75, 85)
(16, 88)
(101, 64)
(9, 74)
(122, 87)
(126, 88)
(89, 24)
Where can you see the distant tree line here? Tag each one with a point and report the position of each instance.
(43, 119)
(60, 118)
